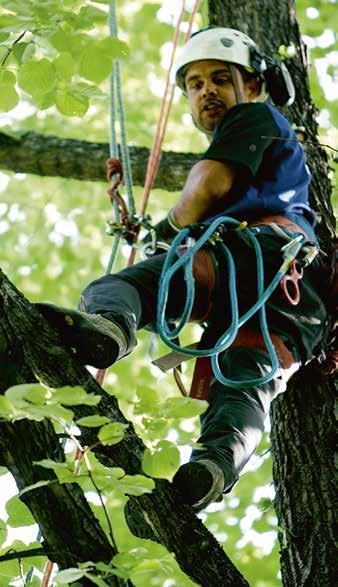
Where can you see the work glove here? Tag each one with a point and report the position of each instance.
(164, 233)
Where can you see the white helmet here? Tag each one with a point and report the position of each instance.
(236, 47)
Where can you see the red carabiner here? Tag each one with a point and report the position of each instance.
(289, 283)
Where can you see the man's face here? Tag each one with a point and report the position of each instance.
(211, 93)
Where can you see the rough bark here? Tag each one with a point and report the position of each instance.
(44, 155)
(304, 476)
(29, 351)
(303, 418)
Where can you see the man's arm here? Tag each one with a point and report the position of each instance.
(207, 183)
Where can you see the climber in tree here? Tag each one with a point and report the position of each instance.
(253, 170)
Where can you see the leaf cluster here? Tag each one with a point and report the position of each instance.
(56, 53)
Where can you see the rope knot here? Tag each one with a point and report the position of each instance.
(114, 168)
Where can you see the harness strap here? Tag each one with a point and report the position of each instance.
(246, 338)
(205, 275)
(276, 220)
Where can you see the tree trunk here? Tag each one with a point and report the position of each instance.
(303, 417)
(26, 357)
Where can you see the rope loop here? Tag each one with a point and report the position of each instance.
(213, 234)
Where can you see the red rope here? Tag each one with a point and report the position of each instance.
(155, 154)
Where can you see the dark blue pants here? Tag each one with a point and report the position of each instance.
(232, 426)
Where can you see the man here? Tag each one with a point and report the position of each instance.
(253, 172)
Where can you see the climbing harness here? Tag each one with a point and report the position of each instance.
(196, 237)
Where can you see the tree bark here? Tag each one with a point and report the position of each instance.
(303, 417)
(160, 516)
(44, 155)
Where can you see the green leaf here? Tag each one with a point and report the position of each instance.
(114, 48)
(61, 41)
(97, 580)
(183, 407)
(136, 485)
(35, 486)
(112, 433)
(17, 394)
(93, 421)
(18, 513)
(64, 471)
(18, 50)
(6, 407)
(73, 396)
(7, 77)
(64, 66)
(37, 394)
(43, 101)
(54, 465)
(90, 15)
(71, 103)
(37, 77)
(3, 532)
(69, 575)
(161, 462)
(148, 399)
(95, 65)
(53, 411)
(8, 97)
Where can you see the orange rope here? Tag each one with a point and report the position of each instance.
(47, 572)
(169, 91)
(155, 152)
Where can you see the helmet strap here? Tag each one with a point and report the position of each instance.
(237, 82)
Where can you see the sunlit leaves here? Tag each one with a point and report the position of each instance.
(52, 79)
(92, 421)
(112, 433)
(9, 97)
(37, 77)
(18, 513)
(37, 402)
(162, 461)
(94, 65)
(64, 66)
(3, 532)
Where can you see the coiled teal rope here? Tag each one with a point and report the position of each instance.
(173, 264)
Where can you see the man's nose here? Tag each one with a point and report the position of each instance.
(210, 89)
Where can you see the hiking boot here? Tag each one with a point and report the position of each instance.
(95, 340)
(200, 483)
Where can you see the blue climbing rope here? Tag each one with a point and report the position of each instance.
(174, 263)
(116, 112)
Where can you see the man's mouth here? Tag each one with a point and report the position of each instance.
(213, 107)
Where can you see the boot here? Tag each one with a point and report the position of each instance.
(95, 340)
(200, 483)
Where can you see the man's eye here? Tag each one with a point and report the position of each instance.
(195, 86)
(221, 81)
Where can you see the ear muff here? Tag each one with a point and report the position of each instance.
(279, 84)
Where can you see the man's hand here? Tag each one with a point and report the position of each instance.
(165, 230)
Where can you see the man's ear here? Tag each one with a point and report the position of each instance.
(253, 86)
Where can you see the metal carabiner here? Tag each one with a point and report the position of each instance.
(291, 278)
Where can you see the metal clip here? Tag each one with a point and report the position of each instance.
(311, 253)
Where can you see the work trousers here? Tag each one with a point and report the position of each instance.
(232, 426)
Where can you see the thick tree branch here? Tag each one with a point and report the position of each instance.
(31, 152)
(33, 351)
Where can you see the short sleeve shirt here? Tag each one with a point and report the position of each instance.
(272, 175)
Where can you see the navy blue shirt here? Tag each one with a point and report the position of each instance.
(272, 175)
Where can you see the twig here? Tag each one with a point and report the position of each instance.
(12, 555)
(10, 49)
(306, 142)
